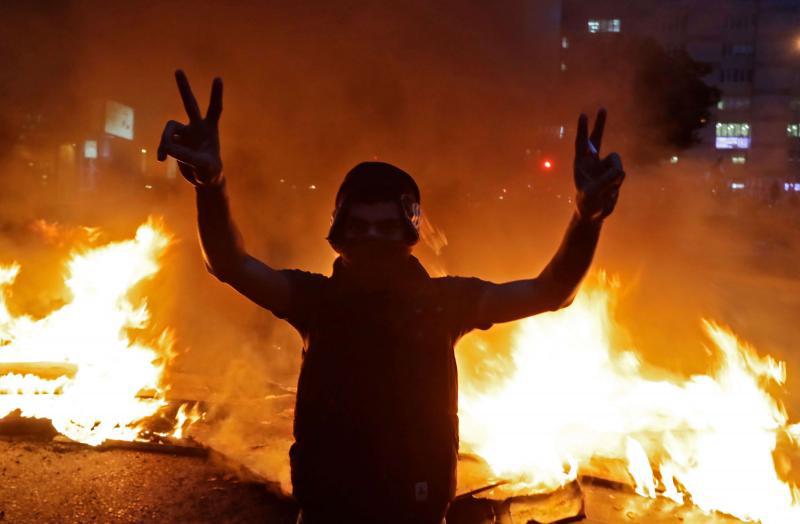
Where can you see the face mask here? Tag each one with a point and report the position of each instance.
(374, 254)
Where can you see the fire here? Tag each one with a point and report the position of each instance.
(97, 381)
(573, 397)
(184, 419)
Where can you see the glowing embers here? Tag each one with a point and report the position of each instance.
(573, 399)
(81, 366)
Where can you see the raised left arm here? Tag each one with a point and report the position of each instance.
(597, 181)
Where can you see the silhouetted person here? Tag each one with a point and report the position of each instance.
(376, 424)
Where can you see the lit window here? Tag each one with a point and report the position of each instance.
(733, 135)
(793, 130)
(733, 129)
(613, 25)
(90, 149)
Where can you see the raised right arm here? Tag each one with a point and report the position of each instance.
(196, 148)
(226, 258)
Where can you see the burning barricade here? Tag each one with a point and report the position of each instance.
(572, 408)
(79, 366)
(575, 406)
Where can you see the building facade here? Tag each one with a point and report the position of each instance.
(753, 47)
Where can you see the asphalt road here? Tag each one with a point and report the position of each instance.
(48, 482)
(44, 482)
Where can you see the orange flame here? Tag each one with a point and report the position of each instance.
(90, 334)
(572, 397)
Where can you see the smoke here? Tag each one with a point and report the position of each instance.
(458, 95)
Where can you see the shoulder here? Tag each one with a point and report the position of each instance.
(458, 284)
(302, 277)
(305, 289)
(462, 293)
(303, 284)
(464, 297)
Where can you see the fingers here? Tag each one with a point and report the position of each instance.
(597, 131)
(170, 130)
(189, 102)
(582, 178)
(608, 191)
(186, 155)
(608, 169)
(581, 137)
(612, 161)
(169, 146)
(215, 102)
(610, 181)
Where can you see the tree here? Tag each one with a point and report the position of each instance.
(657, 98)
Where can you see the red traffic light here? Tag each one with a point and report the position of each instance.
(547, 164)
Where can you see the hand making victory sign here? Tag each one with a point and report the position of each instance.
(597, 180)
(195, 146)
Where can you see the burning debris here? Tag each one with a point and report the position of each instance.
(718, 440)
(574, 400)
(81, 366)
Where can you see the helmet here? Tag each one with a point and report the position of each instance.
(376, 182)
